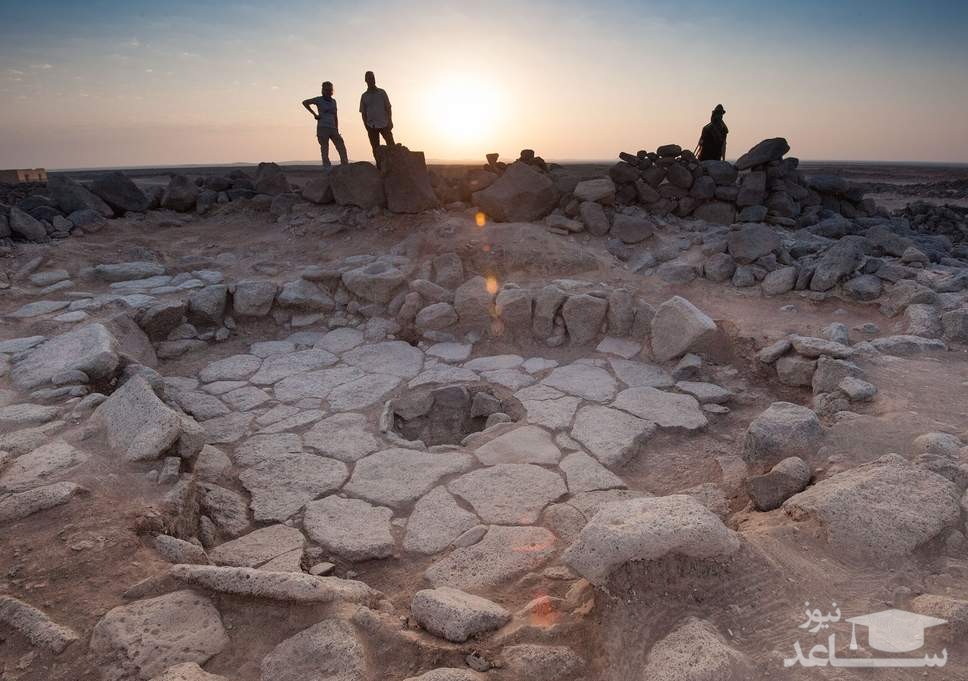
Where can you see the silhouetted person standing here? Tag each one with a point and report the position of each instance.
(376, 112)
(712, 141)
(327, 125)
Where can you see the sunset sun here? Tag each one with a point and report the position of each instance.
(463, 113)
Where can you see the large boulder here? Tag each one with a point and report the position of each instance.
(454, 615)
(783, 430)
(882, 509)
(26, 227)
(330, 650)
(648, 528)
(680, 327)
(253, 297)
(406, 181)
(716, 212)
(91, 349)
(836, 264)
(599, 190)
(269, 179)
(180, 195)
(358, 184)
(143, 639)
(752, 241)
(72, 196)
(521, 194)
(696, 651)
(377, 281)
(631, 229)
(766, 151)
(584, 315)
(318, 190)
(474, 303)
(137, 423)
(118, 191)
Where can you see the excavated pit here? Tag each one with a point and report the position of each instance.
(449, 414)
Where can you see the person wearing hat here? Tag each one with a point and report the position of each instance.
(712, 141)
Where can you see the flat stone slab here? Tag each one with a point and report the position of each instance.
(124, 271)
(609, 434)
(277, 367)
(504, 554)
(815, 347)
(91, 349)
(443, 374)
(344, 437)
(234, 368)
(143, 639)
(450, 352)
(666, 410)
(396, 477)
(40, 466)
(221, 387)
(38, 308)
(622, 347)
(583, 380)
(554, 414)
(199, 404)
(260, 447)
(509, 494)
(283, 484)
(258, 547)
(436, 521)
(228, 429)
(17, 345)
(362, 392)
(246, 398)
(585, 474)
(528, 444)
(26, 414)
(705, 393)
(512, 379)
(396, 358)
(265, 348)
(341, 340)
(296, 420)
(317, 384)
(640, 374)
(350, 528)
(494, 363)
(534, 365)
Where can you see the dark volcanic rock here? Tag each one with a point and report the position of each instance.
(768, 150)
(118, 191)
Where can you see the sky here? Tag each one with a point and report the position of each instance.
(108, 83)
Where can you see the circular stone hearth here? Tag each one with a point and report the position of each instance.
(448, 414)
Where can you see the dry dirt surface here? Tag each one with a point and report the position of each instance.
(633, 468)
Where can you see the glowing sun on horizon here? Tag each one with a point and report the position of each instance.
(463, 111)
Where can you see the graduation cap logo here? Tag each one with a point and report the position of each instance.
(893, 631)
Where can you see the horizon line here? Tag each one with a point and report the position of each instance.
(567, 161)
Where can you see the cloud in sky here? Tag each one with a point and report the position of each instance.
(863, 79)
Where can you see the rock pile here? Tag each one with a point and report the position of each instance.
(929, 218)
(432, 300)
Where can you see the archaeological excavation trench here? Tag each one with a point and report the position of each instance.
(477, 424)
